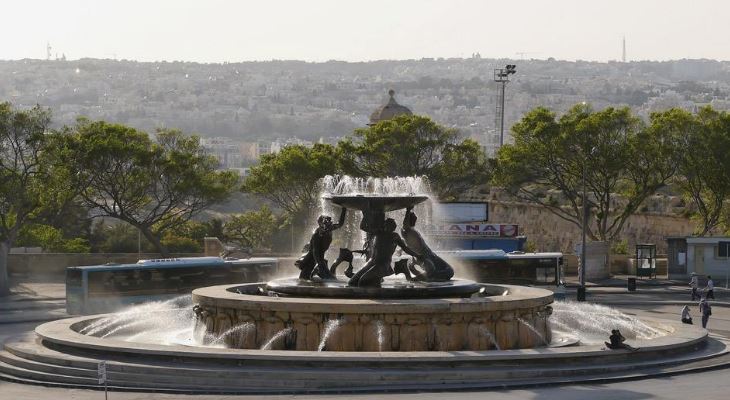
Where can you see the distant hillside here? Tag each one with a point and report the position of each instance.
(292, 98)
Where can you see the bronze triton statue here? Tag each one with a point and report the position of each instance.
(435, 269)
(379, 265)
(313, 263)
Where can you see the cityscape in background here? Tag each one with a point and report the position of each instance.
(244, 110)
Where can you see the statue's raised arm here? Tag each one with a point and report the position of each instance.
(341, 221)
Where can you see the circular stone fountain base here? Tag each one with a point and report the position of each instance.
(390, 289)
(501, 317)
(57, 354)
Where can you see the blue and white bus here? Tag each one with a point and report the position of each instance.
(498, 266)
(108, 287)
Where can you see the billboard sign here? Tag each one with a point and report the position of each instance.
(461, 212)
(484, 230)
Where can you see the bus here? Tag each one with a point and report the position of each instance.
(106, 288)
(498, 266)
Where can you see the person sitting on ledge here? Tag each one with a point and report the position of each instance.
(379, 265)
(313, 263)
(686, 318)
(617, 341)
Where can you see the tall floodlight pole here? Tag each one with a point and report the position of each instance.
(501, 75)
(581, 296)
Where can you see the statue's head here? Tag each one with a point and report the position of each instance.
(389, 225)
(412, 218)
(324, 221)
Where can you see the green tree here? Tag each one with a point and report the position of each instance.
(624, 163)
(118, 237)
(51, 239)
(704, 161)
(410, 145)
(251, 229)
(30, 186)
(154, 186)
(289, 178)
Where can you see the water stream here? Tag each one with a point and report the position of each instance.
(380, 334)
(534, 331)
(592, 323)
(329, 329)
(279, 335)
(488, 334)
(242, 329)
(173, 322)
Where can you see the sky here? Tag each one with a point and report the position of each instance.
(321, 30)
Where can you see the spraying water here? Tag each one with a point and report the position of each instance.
(277, 336)
(488, 334)
(330, 328)
(592, 323)
(241, 330)
(533, 330)
(380, 333)
(173, 322)
(351, 236)
(158, 316)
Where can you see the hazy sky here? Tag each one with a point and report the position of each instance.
(319, 30)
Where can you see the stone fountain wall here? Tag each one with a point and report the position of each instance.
(512, 317)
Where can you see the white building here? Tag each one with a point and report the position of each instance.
(224, 149)
(700, 255)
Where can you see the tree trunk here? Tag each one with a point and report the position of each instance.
(4, 276)
(164, 253)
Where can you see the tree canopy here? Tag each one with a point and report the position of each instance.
(624, 162)
(30, 187)
(288, 178)
(152, 185)
(251, 229)
(408, 145)
(703, 154)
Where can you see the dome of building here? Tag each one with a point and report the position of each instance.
(389, 110)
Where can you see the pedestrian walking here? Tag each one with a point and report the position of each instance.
(710, 288)
(706, 311)
(693, 286)
(686, 318)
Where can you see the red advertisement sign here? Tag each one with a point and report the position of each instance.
(491, 230)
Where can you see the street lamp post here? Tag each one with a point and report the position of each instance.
(581, 295)
(501, 75)
(727, 270)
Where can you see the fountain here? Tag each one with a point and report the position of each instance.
(392, 321)
(426, 311)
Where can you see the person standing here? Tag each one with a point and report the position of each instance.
(706, 311)
(693, 286)
(710, 288)
(686, 318)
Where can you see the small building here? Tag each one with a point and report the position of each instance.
(700, 255)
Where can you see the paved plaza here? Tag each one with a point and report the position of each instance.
(42, 301)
